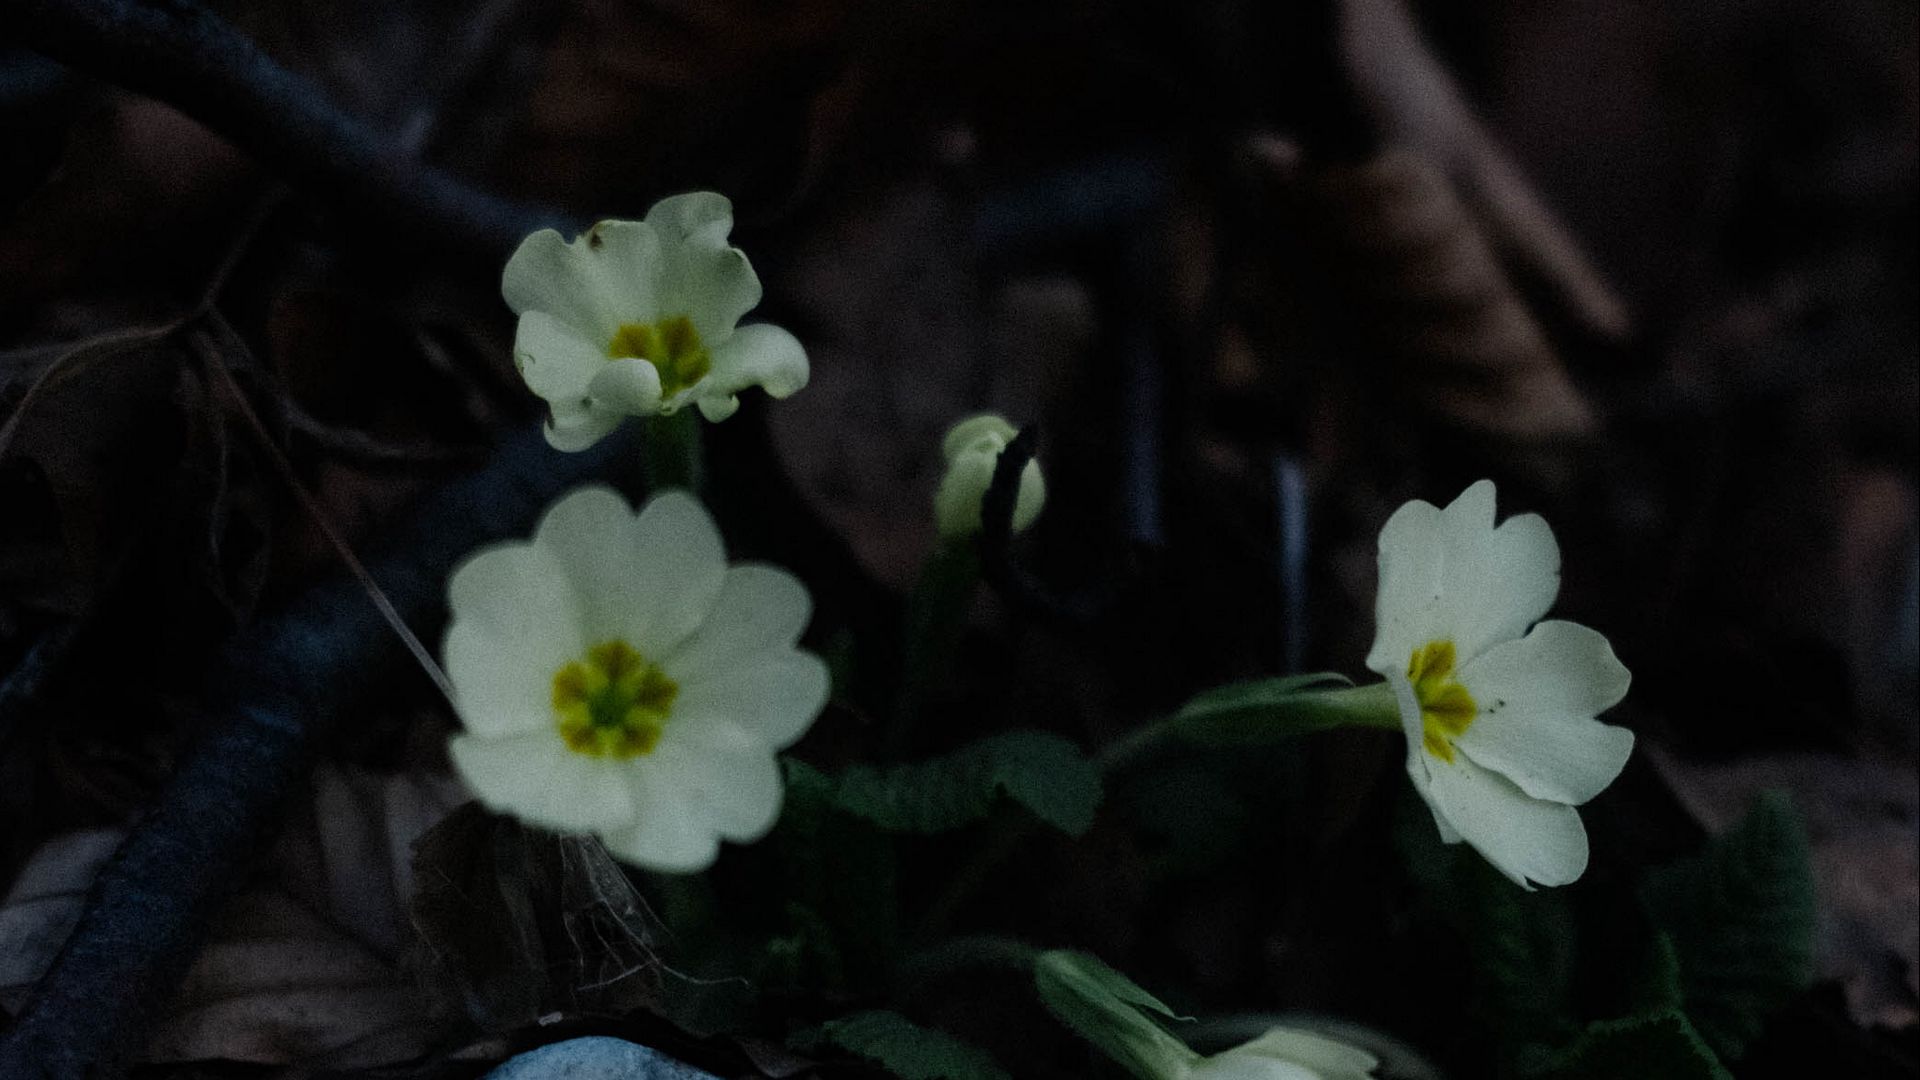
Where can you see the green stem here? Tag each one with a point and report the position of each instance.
(1007, 833)
(1372, 705)
(936, 620)
(1136, 744)
(674, 452)
(969, 953)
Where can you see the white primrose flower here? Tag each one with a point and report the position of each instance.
(1501, 737)
(972, 449)
(616, 676)
(1287, 1054)
(637, 318)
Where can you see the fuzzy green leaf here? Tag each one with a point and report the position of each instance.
(1273, 710)
(906, 1049)
(1657, 1046)
(1042, 772)
(1740, 916)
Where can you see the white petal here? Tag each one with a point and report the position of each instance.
(698, 217)
(712, 287)
(761, 609)
(717, 408)
(1418, 760)
(1305, 1053)
(535, 777)
(991, 429)
(736, 792)
(758, 355)
(676, 567)
(1538, 697)
(593, 534)
(1409, 588)
(668, 832)
(1031, 497)
(514, 591)
(1232, 1066)
(557, 362)
(1527, 839)
(630, 386)
(577, 429)
(774, 699)
(608, 276)
(504, 686)
(703, 277)
(1450, 574)
(957, 503)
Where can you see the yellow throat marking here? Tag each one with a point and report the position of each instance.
(1446, 709)
(612, 702)
(672, 345)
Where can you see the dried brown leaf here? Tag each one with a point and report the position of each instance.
(1426, 289)
(305, 966)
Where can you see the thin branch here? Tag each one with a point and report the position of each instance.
(210, 346)
(1016, 583)
(184, 55)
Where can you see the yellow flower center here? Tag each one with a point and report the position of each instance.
(1446, 709)
(613, 703)
(671, 345)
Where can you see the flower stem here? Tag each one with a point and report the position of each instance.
(674, 452)
(1372, 705)
(936, 618)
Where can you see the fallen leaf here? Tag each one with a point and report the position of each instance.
(304, 966)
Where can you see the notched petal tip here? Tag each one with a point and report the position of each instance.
(717, 407)
(989, 426)
(576, 431)
(702, 217)
(1476, 505)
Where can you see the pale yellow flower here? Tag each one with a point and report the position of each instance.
(637, 318)
(1498, 707)
(616, 676)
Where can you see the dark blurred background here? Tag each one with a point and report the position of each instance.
(1258, 273)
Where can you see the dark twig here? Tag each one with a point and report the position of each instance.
(215, 346)
(274, 695)
(184, 55)
(1142, 403)
(1290, 556)
(366, 450)
(1013, 581)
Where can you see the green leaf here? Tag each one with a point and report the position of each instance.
(1740, 916)
(1110, 1011)
(1273, 710)
(1042, 772)
(1658, 1046)
(906, 1049)
(838, 875)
